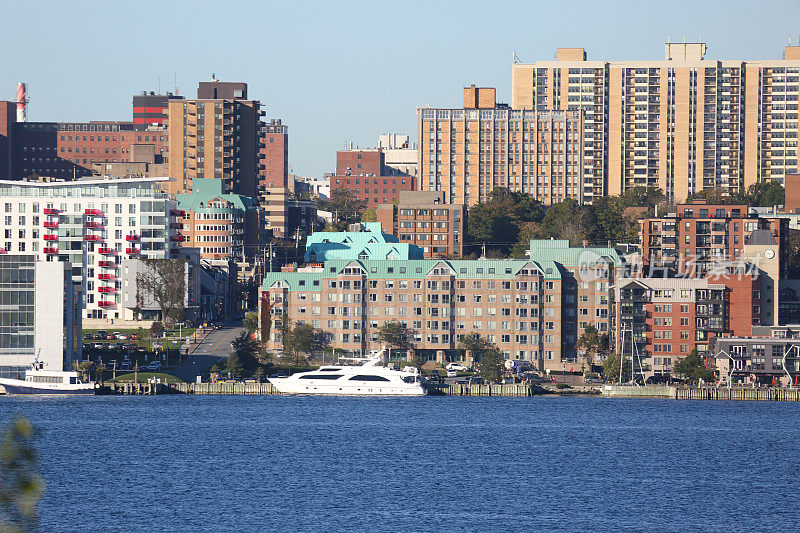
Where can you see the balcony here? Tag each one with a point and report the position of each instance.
(105, 251)
(106, 277)
(105, 303)
(133, 251)
(131, 238)
(106, 264)
(51, 225)
(176, 213)
(176, 238)
(51, 250)
(93, 225)
(51, 212)
(94, 238)
(105, 290)
(93, 212)
(51, 237)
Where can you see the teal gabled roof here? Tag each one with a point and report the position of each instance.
(347, 245)
(502, 269)
(205, 190)
(559, 251)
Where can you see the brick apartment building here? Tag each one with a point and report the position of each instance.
(219, 225)
(468, 152)
(522, 305)
(423, 218)
(274, 178)
(367, 176)
(661, 320)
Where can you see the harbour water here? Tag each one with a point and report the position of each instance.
(276, 463)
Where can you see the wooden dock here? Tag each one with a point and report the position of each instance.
(738, 393)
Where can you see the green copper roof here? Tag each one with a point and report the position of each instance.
(501, 269)
(206, 189)
(559, 251)
(371, 241)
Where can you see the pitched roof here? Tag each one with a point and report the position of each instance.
(207, 189)
(761, 237)
(559, 251)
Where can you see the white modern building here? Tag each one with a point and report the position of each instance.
(399, 153)
(92, 224)
(39, 315)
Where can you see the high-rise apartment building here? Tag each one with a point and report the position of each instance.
(365, 174)
(218, 135)
(92, 224)
(467, 152)
(682, 124)
(274, 179)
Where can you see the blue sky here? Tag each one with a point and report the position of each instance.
(341, 71)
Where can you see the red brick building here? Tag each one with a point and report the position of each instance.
(365, 174)
(274, 175)
(698, 235)
(661, 320)
(424, 219)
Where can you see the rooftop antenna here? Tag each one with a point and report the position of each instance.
(158, 84)
(175, 81)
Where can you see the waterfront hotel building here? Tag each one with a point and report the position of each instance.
(92, 224)
(682, 124)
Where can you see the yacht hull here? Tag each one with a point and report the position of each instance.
(290, 386)
(18, 386)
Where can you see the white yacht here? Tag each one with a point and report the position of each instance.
(40, 381)
(366, 379)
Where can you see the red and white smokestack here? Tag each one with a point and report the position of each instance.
(22, 101)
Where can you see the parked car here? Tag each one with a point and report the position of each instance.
(99, 336)
(132, 346)
(88, 336)
(154, 365)
(102, 334)
(456, 366)
(278, 375)
(476, 380)
(125, 365)
(134, 336)
(111, 337)
(451, 373)
(122, 337)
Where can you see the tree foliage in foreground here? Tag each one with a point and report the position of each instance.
(21, 487)
(693, 368)
(611, 368)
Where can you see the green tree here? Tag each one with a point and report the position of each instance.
(591, 343)
(299, 341)
(246, 348)
(499, 221)
(369, 215)
(569, 220)
(250, 321)
(163, 281)
(397, 335)
(611, 367)
(235, 366)
(693, 368)
(764, 194)
(491, 364)
(475, 346)
(345, 206)
(21, 486)
(641, 197)
(156, 327)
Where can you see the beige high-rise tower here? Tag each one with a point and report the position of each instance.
(682, 124)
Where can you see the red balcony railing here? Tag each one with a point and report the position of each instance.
(176, 213)
(131, 238)
(92, 225)
(105, 289)
(51, 250)
(92, 238)
(105, 303)
(50, 211)
(105, 276)
(176, 238)
(93, 212)
(106, 264)
(133, 251)
(106, 251)
(50, 237)
(51, 224)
